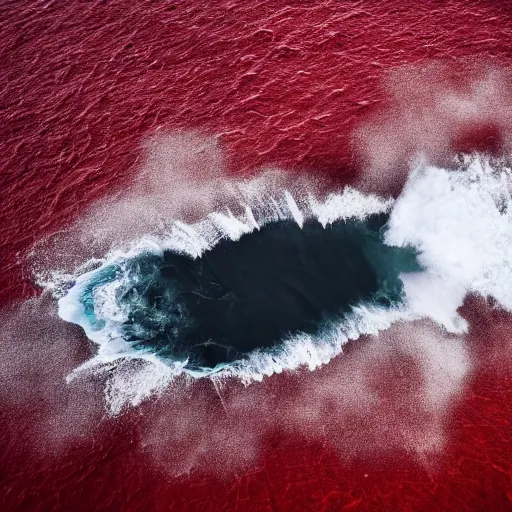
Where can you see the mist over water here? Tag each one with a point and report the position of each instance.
(291, 276)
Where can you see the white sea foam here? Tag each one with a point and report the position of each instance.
(258, 208)
(458, 220)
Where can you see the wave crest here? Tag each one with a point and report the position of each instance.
(458, 222)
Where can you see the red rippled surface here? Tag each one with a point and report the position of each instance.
(279, 83)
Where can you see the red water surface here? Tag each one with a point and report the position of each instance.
(278, 83)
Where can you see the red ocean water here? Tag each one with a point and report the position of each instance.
(310, 87)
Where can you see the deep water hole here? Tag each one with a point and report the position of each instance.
(249, 294)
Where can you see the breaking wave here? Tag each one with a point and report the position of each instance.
(289, 279)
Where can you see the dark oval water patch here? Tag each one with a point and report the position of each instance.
(251, 293)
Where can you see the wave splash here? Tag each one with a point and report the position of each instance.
(244, 295)
(290, 279)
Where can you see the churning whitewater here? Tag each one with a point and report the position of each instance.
(291, 278)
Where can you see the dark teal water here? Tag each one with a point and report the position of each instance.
(251, 293)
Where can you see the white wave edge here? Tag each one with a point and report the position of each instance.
(460, 221)
(193, 240)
